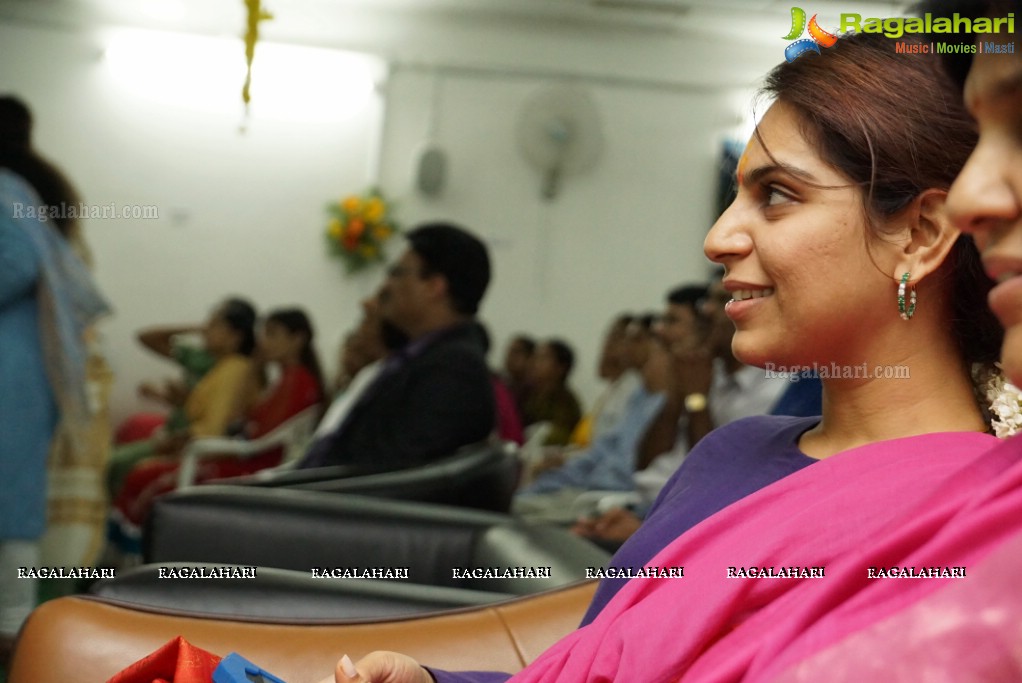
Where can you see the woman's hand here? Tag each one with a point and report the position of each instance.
(614, 525)
(150, 391)
(175, 392)
(171, 444)
(379, 667)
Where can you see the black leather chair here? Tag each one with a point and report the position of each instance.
(482, 476)
(302, 530)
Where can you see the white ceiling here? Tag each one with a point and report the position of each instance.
(316, 22)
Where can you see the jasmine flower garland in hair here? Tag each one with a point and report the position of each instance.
(1004, 400)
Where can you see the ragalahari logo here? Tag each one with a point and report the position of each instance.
(817, 36)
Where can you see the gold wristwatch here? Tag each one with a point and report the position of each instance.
(695, 403)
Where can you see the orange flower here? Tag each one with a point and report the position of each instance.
(352, 204)
(356, 226)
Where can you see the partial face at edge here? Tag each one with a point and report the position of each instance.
(986, 198)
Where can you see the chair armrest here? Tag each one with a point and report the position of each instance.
(599, 502)
(531, 452)
(482, 476)
(89, 639)
(293, 435)
(299, 530)
(287, 475)
(293, 529)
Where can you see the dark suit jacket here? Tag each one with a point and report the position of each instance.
(435, 402)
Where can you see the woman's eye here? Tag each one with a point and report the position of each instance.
(775, 196)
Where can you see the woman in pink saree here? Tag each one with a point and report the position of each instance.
(957, 630)
(841, 256)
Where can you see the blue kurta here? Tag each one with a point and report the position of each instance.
(28, 411)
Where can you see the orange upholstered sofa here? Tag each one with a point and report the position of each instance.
(88, 639)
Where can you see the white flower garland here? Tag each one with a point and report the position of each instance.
(1004, 400)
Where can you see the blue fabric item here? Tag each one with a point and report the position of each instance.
(68, 303)
(609, 463)
(47, 300)
(28, 409)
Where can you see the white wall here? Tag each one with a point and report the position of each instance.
(244, 213)
(615, 238)
(238, 214)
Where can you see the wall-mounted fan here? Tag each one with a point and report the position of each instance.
(559, 134)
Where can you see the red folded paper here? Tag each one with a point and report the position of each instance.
(176, 662)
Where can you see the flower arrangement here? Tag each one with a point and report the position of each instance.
(359, 228)
(1004, 400)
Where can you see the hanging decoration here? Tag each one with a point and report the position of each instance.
(256, 14)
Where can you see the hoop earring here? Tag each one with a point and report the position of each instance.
(911, 310)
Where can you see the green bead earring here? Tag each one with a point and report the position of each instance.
(906, 313)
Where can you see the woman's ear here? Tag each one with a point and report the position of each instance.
(929, 235)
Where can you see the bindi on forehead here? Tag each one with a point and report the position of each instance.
(740, 170)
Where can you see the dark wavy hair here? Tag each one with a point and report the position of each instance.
(18, 155)
(896, 126)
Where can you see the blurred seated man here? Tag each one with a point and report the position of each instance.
(732, 391)
(609, 463)
(433, 395)
(622, 379)
(639, 335)
(373, 341)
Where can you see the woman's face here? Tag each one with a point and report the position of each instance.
(517, 360)
(219, 337)
(278, 344)
(805, 286)
(986, 199)
(544, 369)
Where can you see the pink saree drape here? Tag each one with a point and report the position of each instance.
(954, 632)
(709, 627)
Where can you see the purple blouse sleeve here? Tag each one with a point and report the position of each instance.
(441, 676)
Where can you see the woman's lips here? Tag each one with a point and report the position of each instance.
(741, 306)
